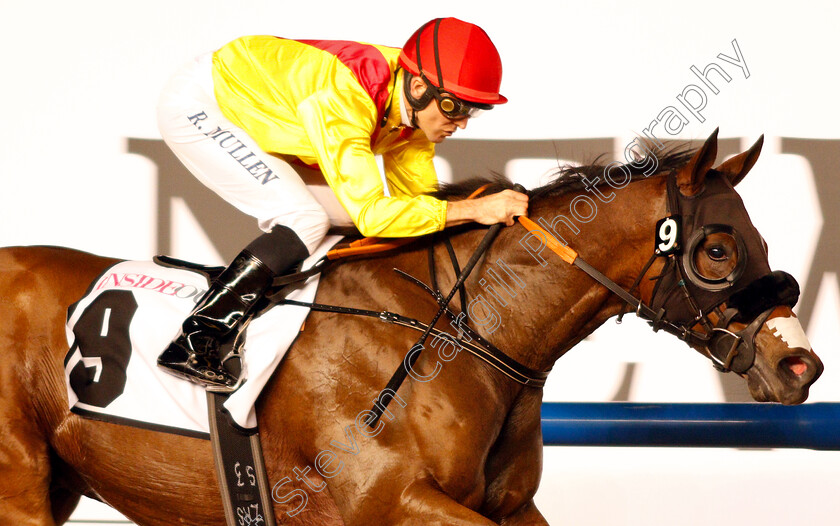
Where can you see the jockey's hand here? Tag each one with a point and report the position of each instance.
(501, 207)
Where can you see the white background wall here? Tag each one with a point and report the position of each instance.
(80, 78)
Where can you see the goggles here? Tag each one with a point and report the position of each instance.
(454, 108)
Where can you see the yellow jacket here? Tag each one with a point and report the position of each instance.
(323, 102)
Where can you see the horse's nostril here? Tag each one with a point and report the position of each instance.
(795, 364)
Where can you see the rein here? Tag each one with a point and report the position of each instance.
(471, 341)
(482, 348)
(729, 351)
(567, 254)
(485, 351)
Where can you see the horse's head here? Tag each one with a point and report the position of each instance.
(717, 286)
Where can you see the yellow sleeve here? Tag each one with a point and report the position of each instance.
(409, 168)
(339, 126)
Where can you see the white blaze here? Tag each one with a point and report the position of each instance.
(789, 330)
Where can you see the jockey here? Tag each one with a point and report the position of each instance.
(286, 131)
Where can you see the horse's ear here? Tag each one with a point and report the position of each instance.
(690, 178)
(739, 166)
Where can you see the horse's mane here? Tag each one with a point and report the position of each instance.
(567, 178)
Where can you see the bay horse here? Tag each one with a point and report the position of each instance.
(460, 444)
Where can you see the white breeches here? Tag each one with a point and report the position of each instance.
(228, 161)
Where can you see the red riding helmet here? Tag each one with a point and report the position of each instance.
(458, 57)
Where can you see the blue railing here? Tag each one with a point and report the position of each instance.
(737, 425)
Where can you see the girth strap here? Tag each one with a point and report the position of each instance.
(243, 482)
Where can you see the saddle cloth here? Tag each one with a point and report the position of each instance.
(125, 320)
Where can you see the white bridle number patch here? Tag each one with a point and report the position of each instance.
(667, 236)
(789, 330)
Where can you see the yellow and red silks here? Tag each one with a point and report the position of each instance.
(335, 104)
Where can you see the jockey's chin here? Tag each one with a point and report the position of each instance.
(436, 126)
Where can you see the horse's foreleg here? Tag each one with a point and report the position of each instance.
(528, 515)
(514, 469)
(66, 489)
(423, 504)
(64, 503)
(24, 477)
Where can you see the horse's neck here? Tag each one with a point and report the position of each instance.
(543, 310)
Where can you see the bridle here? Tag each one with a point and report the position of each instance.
(681, 302)
(683, 297)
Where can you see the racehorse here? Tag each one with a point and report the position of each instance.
(460, 442)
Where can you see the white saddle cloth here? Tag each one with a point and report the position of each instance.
(116, 375)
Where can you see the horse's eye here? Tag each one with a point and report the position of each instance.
(716, 253)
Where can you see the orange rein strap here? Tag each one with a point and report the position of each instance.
(571, 257)
(478, 191)
(566, 254)
(367, 245)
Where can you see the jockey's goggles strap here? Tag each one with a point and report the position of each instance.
(452, 107)
(449, 105)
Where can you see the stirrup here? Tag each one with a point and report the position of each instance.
(240, 378)
(183, 363)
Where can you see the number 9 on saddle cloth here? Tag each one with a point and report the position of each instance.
(126, 318)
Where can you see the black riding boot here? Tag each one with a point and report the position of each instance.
(228, 305)
(224, 308)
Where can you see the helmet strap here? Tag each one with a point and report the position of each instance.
(416, 103)
(437, 54)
